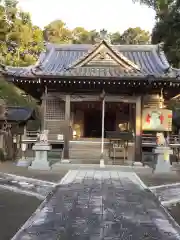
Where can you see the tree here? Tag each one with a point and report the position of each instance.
(93, 36)
(21, 42)
(57, 32)
(167, 27)
(12, 95)
(168, 31)
(131, 36)
(115, 38)
(80, 35)
(161, 7)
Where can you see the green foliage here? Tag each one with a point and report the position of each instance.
(167, 30)
(115, 38)
(57, 32)
(135, 36)
(131, 36)
(167, 27)
(20, 41)
(81, 35)
(13, 96)
(162, 7)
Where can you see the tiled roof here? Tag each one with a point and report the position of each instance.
(59, 59)
(18, 114)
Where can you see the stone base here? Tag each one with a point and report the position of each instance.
(139, 164)
(102, 165)
(41, 156)
(40, 165)
(65, 161)
(41, 147)
(163, 164)
(24, 162)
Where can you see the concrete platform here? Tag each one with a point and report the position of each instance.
(90, 204)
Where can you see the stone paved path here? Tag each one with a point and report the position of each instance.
(94, 205)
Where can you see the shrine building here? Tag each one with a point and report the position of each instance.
(87, 89)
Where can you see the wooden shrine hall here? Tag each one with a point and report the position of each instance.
(90, 91)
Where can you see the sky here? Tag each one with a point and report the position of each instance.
(112, 15)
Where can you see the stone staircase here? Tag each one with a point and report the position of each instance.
(87, 150)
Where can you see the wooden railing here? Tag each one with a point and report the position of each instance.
(150, 139)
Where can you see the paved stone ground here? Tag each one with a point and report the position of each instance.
(15, 209)
(100, 205)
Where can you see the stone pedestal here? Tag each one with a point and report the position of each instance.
(163, 164)
(41, 156)
(24, 162)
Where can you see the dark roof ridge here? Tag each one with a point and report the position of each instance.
(111, 48)
(162, 55)
(43, 58)
(20, 107)
(20, 113)
(78, 47)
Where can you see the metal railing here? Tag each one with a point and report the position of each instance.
(32, 134)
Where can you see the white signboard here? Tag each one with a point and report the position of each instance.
(156, 119)
(60, 137)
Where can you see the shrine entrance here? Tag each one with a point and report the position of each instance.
(93, 122)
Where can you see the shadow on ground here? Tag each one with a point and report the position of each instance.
(15, 209)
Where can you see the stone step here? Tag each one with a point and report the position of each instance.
(92, 150)
(86, 155)
(86, 150)
(91, 153)
(86, 145)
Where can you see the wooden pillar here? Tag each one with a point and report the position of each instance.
(130, 117)
(67, 126)
(43, 111)
(138, 129)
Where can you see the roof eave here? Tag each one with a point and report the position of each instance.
(150, 78)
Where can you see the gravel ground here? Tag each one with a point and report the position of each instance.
(15, 209)
(174, 210)
(159, 179)
(9, 167)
